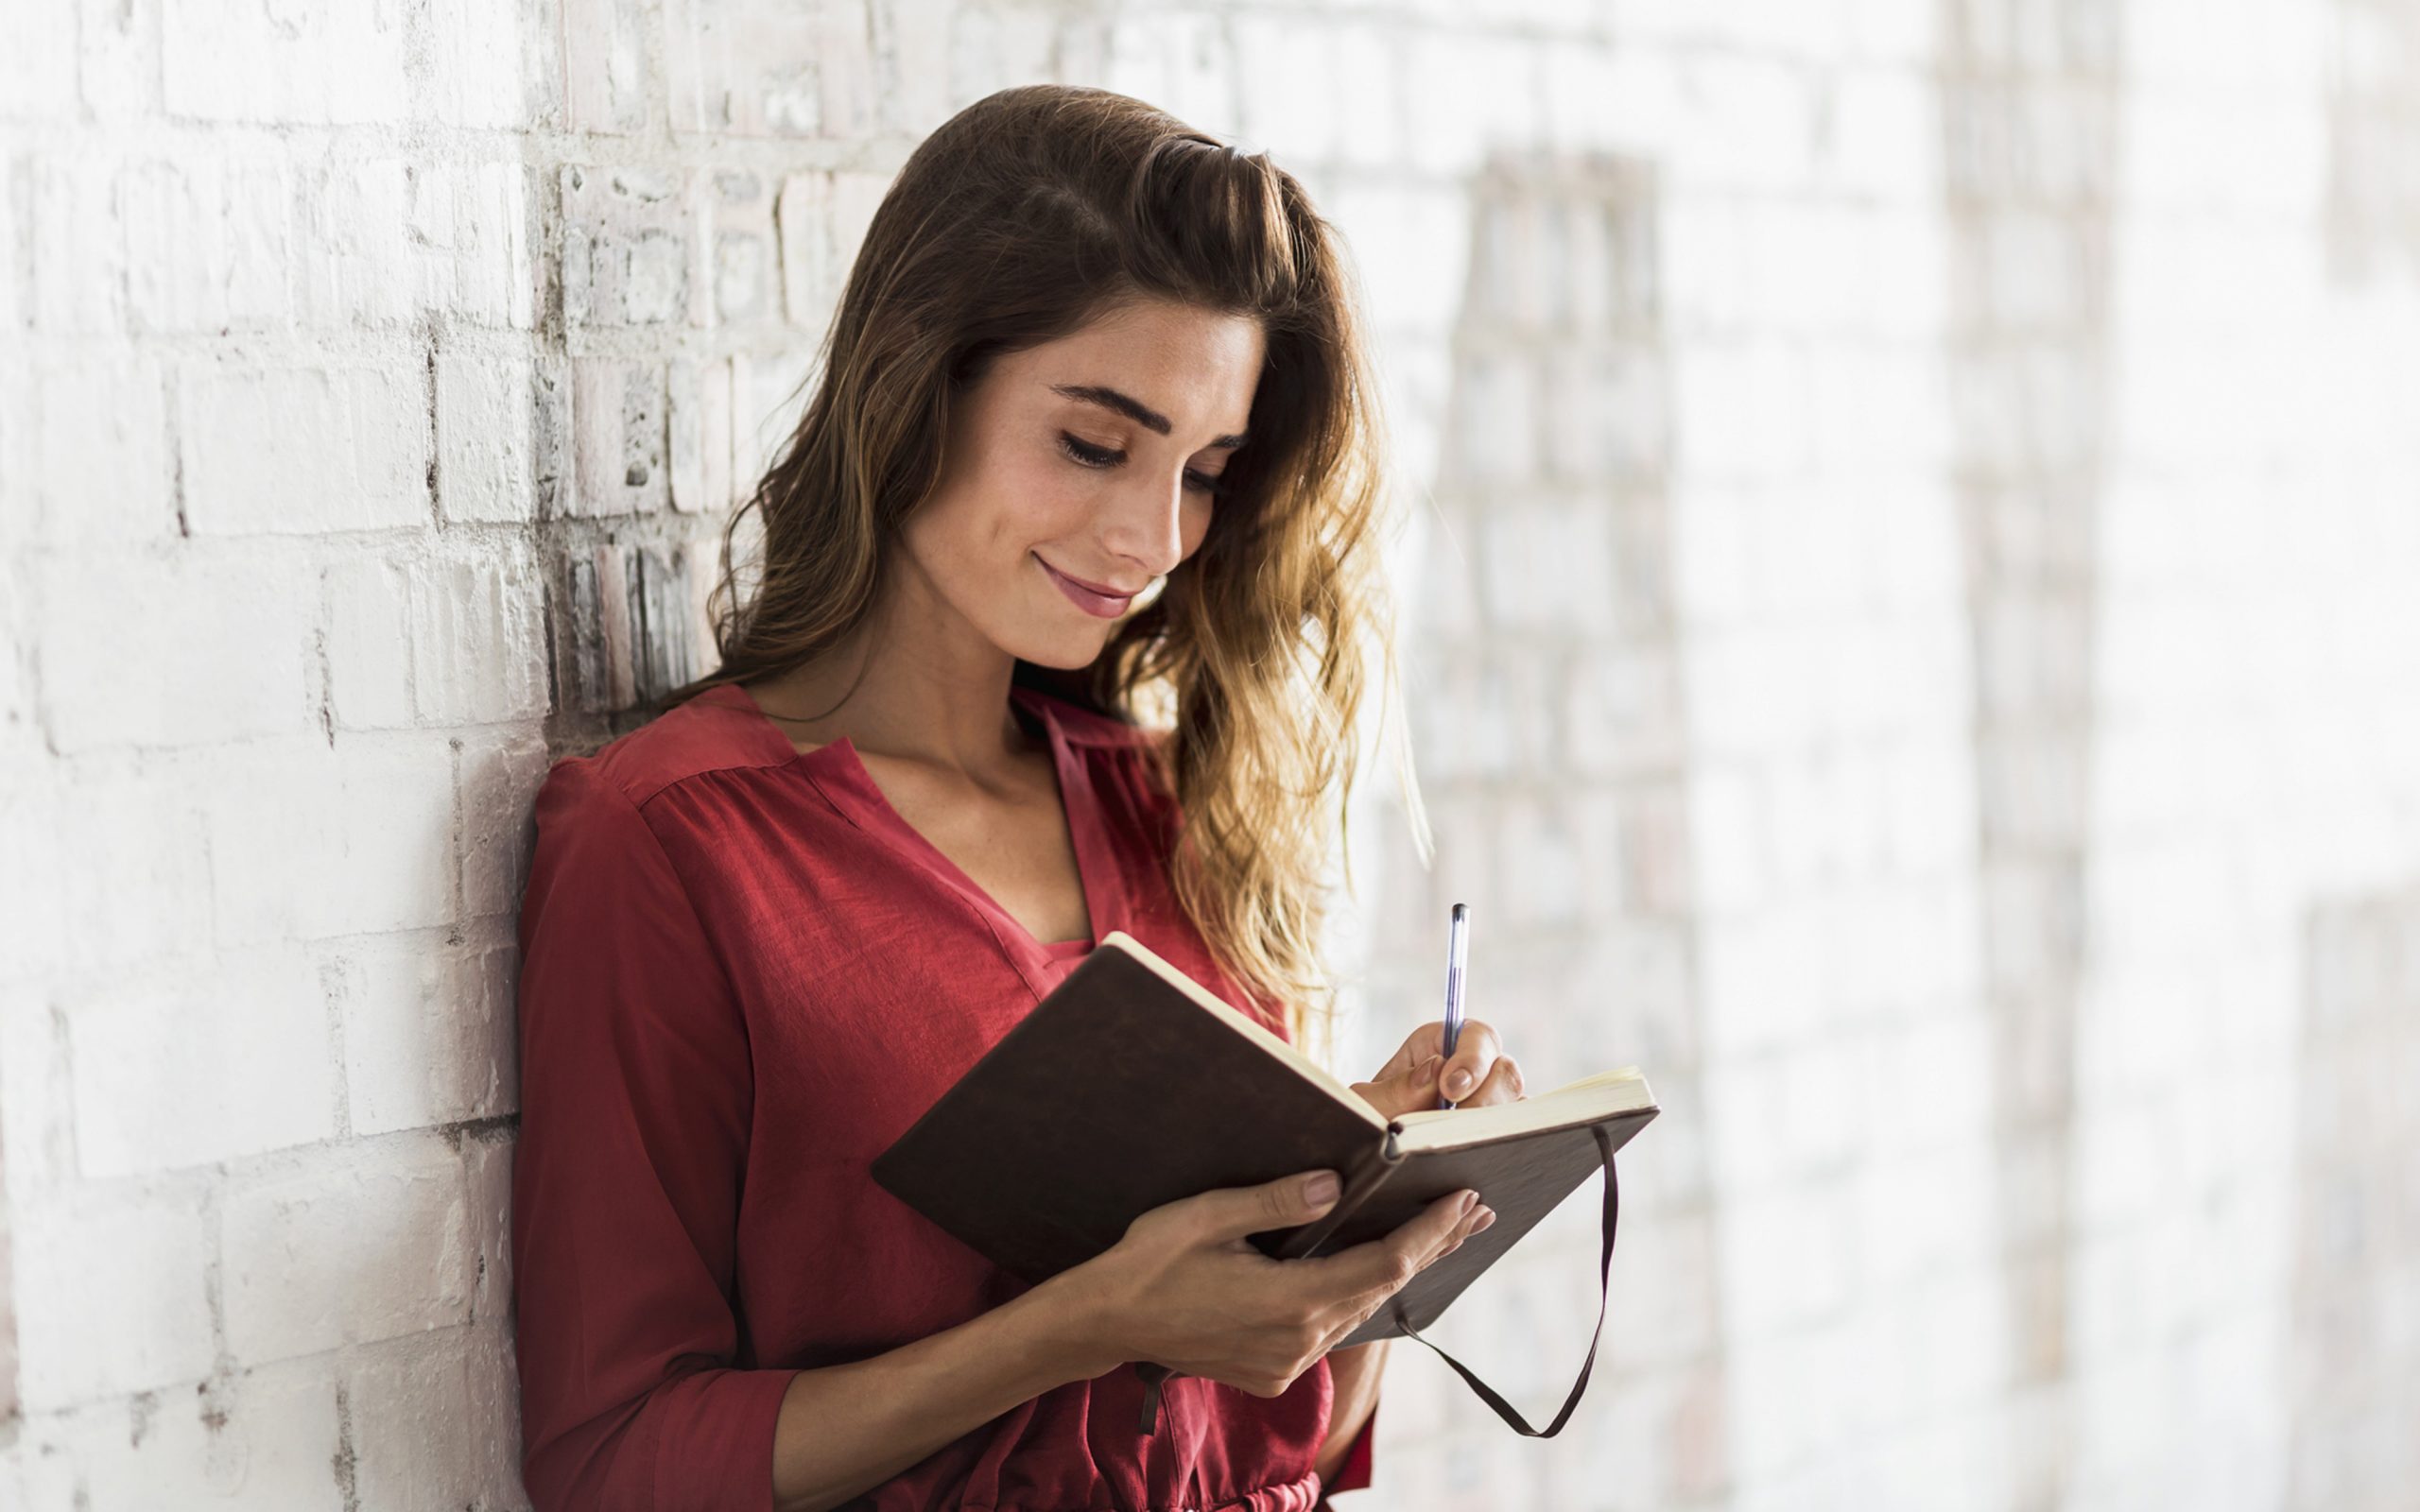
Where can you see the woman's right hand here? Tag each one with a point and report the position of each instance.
(1186, 1289)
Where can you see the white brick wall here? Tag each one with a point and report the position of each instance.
(1917, 506)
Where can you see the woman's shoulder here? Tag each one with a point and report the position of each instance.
(716, 730)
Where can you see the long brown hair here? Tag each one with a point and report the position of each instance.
(1023, 218)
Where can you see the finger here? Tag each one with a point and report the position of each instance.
(1380, 1266)
(1503, 1085)
(1474, 1051)
(1232, 1213)
(1415, 1087)
(1421, 1043)
(1471, 1227)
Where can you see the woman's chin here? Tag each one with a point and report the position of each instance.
(1065, 651)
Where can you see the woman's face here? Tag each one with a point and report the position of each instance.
(1080, 473)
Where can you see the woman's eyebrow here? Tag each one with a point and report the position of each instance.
(1133, 409)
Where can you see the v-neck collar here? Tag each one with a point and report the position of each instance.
(840, 773)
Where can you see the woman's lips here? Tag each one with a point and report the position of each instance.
(1086, 596)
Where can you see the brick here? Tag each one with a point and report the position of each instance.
(597, 633)
(479, 640)
(1677, 1267)
(265, 1438)
(109, 873)
(814, 269)
(80, 259)
(1546, 567)
(501, 436)
(37, 1133)
(1179, 60)
(434, 1426)
(93, 467)
(1762, 981)
(1427, 262)
(990, 50)
(426, 1035)
(737, 235)
(16, 193)
(628, 256)
(1446, 593)
(765, 398)
(487, 1174)
(1486, 716)
(211, 242)
(350, 1247)
(219, 653)
(368, 644)
(1886, 135)
(349, 445)
(1607, 416)
(228, 60)
(468, 239)
(356, 267)
(493, 65)
(631, 624)
(1750, 127)
(38, 68)
(605, 48)
(145, 1257)
(1621, 713)
(501, 770)
(1742, 412)
(1472, 91)
(220, 1063)
(120, 59)
(801, 72)
(1320, 91)
(1728, 822)
(370, 822)
(702, 436)
(1495, 427)
(618, 438)
(1543, 891)
(912, 80)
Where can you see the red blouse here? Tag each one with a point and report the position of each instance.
(743, 975)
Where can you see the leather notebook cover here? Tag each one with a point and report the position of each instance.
(1129, 1086)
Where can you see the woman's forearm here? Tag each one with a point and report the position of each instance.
(1358, 1373)
(845, 1429)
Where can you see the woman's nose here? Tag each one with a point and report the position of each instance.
(1147, 527)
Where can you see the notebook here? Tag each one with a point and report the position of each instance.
(1130, 1085)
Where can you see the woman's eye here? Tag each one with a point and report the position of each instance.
(1090, 456)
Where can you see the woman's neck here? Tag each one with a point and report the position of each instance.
(915, 682)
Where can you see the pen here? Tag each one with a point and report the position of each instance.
(1457, 943)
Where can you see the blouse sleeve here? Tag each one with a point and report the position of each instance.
(1354, 1475)
(635, 1099)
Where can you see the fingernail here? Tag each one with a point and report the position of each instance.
(1469, 1199)
(1321, 1189)
(1459, 1083)
(1486, 1216)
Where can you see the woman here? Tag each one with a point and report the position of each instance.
(1094, 427)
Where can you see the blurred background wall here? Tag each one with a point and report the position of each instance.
(1912, 572)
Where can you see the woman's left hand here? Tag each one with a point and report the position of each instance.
(1411, 1081)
